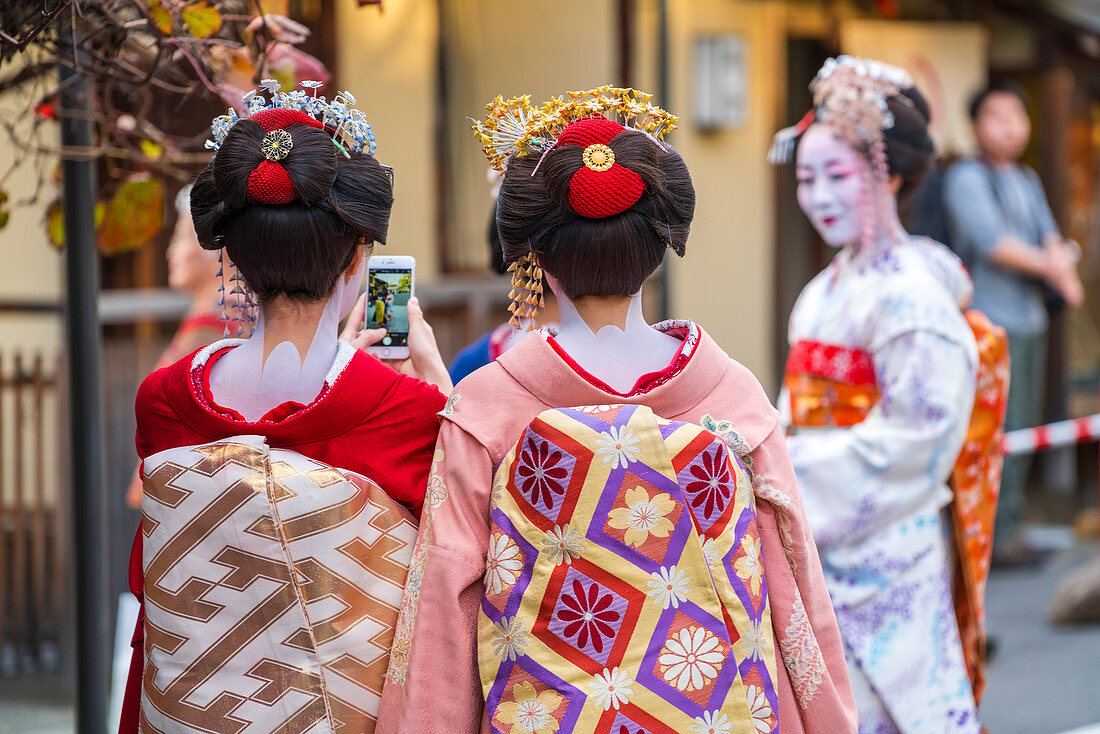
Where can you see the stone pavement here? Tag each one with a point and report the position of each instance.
(1044, 679)
(34, 706)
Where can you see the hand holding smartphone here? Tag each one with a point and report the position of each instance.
(390, 281)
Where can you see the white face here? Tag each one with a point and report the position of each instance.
(831, 180)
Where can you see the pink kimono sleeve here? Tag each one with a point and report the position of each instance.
(815, 694)
(432, 684)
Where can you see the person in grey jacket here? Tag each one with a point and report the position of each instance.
(1003, 229)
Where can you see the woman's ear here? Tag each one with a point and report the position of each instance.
(894, 183)
(357, 261)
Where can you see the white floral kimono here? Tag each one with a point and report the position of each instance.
(878, 393)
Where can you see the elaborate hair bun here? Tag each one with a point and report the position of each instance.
(599, 184)
(597, 240)
(910, 150)
(589, 188)
(305, 172)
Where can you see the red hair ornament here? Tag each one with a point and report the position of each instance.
(601, 187)
(269, 182)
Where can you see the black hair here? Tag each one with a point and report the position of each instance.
(910, 151)
(609, 256)
(496, 249)
(995, 86)
(301, 248)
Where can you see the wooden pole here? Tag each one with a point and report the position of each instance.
(20, 518)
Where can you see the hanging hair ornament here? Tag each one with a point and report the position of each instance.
(526, 295)
(238, 304)
(221, 293)
(514, 127)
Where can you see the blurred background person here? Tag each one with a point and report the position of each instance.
(1002, 227)
(194, 271)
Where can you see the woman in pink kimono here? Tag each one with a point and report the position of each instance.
(594, 204)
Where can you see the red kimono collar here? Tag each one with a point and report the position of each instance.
(684, 330)
(353, 390)
(535, 364)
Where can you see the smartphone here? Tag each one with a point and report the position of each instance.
(390, 281)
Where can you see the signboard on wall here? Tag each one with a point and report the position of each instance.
(948, 62)
(721, 82)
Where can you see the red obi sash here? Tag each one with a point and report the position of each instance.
(829, 384)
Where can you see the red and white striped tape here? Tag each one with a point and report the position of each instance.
(1062, 433)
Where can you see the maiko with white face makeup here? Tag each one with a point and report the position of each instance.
(877, 398)
(832, 180)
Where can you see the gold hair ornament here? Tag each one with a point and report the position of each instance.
(526, 294)
(276, 145)
(515, 127)
(598, 157)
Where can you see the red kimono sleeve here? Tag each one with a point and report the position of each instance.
(399, 436)
(152, 411)
(131, 702)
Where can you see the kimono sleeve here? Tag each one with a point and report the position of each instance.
(408, 412)
(857, 481)
(150, 405)
(158, 427)
(131, 697)
(433, 684)
(818, 697)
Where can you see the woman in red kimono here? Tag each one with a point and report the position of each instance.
(296, 199)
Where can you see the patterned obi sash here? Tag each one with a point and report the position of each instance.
(624, 589)
(829, 385)
(272, 584)
(976, 482)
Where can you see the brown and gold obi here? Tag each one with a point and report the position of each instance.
(272, 583)
(829, 384)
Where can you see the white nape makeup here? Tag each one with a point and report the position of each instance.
(618, 356)
(832, 178)
(252, 384)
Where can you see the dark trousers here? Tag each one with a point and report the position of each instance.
(1027, 375)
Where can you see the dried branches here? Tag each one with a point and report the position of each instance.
(151, 64)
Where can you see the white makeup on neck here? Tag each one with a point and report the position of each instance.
(616, 356)
(252, 385)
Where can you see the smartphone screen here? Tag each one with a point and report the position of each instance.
(388, 294)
